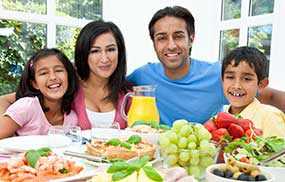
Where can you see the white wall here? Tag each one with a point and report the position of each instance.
(133, 17)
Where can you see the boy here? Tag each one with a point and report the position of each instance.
(245, 73)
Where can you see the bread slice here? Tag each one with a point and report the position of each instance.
(100, 148)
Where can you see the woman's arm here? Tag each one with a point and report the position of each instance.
(273, 97)
(6, 101)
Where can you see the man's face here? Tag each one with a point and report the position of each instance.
(172, 43)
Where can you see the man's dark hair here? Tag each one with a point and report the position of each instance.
(252, 56)
(175, 11)
(26, 89)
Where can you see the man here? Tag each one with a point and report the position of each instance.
(186, 88)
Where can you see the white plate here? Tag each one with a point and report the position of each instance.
(108, 133)
(24, 143)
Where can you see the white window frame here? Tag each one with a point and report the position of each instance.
(276, 19)
(49, 19)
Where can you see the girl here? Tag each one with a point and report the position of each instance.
(44, 95)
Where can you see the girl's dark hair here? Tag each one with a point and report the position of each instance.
(25, 88)
(117, 81)
(252, 56)
(177, 12)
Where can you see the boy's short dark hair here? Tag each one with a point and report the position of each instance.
(255, 59)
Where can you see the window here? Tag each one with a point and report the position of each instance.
(246, 22)
(228, 41)
(260, 7)
(260, 37)
(231, 9)
(29, 25)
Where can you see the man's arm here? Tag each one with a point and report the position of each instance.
(273, 97)
(6, 101)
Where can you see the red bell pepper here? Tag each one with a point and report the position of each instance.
(245, 123)
(219, 133)
(224, 120)
(210, 125)
(236, 131)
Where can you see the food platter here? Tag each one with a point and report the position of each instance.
(38, 165)
(24, 143)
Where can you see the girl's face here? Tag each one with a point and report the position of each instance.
(103, 56)
(50, 78)
(240, 85)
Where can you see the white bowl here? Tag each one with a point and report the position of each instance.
(277, 172)
(210, 177)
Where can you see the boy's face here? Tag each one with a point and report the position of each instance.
(240, 85)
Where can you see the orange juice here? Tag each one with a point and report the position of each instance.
(143, 108)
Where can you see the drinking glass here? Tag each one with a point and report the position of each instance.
(74, 133)
(71, 133)
(55, 134)
(105, 131)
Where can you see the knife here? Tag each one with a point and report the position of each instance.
(85, 156)
(273, 157)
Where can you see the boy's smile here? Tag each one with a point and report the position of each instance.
(240, 85)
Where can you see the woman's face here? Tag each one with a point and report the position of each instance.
(50, 78)
(103, 56)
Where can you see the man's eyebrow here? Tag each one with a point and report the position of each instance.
(179, 31)
(160, 33)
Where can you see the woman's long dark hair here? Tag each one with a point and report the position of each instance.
(26, 89)
(117, 81)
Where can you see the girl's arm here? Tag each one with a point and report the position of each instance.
(6, 101)
(8, 126)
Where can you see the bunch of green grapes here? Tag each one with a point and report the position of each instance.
(188, 145)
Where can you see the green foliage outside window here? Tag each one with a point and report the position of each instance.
(231, 9)
(260, 7)
(15, 49)
(66, 38)
(79, 8)
(229, 39)
(27, 38)
(32, 6)
(260, 37)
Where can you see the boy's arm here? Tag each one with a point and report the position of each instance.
(273, 97)
(6, 101)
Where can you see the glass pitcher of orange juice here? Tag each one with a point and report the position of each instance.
(143, 105)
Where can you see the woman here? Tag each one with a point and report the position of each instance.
(100, 60)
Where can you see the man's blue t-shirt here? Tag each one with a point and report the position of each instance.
(196, 97)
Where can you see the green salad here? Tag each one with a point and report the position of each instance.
(257, 150)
